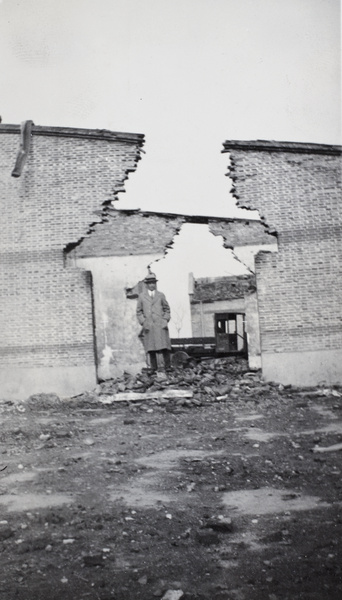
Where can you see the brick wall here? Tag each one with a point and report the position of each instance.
(297, 190)
(210, 289)
(130, 233)
(46, 306)
(241, 232)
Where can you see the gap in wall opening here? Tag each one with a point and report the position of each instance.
(194, 250)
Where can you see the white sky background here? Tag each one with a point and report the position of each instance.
(189, 74)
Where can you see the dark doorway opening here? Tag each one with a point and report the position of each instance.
(230, 333)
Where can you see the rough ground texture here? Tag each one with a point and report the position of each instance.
(220, 496)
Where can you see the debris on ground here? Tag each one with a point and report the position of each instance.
(202, 483)
(173, 595)
(333, 448)
(191, 383)
(149, 395)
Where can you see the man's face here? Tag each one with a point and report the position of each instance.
(151, 285)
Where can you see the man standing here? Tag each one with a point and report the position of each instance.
(153, 313)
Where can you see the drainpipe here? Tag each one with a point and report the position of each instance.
(24, 148)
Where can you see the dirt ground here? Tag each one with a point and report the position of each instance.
(221, 496)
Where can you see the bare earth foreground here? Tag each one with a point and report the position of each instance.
(220, 496)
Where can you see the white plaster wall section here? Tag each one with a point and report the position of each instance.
(118, 346)
(253, 331)
(303, 369)
(246, 254)
(104, 365)
(63, 381)
(107, 351)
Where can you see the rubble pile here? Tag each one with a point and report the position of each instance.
(207, 380)
(196, 382)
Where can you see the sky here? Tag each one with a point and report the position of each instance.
(189, 74)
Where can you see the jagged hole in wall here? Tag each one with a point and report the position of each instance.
(195, 250)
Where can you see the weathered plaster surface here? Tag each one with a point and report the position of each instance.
(118, 347)
(309, 368)
(246, 254)
(253, 331)
(65, 381)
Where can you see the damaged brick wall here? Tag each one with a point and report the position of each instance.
(209, 289)
(118, 253)
(297, 190)
(242, 232)
(46, 309)
(130, 233)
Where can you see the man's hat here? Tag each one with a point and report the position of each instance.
(150, 277)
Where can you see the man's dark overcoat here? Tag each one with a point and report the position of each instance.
(153, 315)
